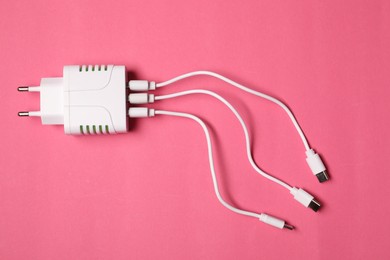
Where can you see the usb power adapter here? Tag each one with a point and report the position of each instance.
(86, 100)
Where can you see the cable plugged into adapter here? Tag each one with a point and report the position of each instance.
(313, 159)
(86, 100)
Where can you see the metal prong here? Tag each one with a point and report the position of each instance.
(23, 113)
(287, 226)
(23, 89)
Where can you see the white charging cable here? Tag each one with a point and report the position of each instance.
(143, 98)
(313, 159)
(246, 132)
(145, 112)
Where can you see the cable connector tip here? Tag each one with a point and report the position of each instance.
(316, 165)
(322, 176)
(314, 205)
(275, 222)
(305, 199)
(287, 226)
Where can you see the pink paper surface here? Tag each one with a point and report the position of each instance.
(148, 194)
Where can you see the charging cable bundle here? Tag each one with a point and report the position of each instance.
(92, 100)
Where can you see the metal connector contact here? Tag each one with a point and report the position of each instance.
(314, 205)
(322, 176)
(287, 226)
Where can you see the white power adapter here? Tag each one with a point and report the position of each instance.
(86, 100)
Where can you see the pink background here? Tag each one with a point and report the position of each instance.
(148, 194)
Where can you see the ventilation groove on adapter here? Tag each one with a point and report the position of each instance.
(85, 68)
(94, 129)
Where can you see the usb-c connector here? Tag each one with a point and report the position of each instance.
(316, 165)
(305, 199)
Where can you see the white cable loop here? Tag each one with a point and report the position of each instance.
(246, 132)
(251, 91)
(211, 160)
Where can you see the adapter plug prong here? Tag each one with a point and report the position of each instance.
(23, 113)
(29, 89)
(29, 113)
(23, 89)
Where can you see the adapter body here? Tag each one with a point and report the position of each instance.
(86, 100)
